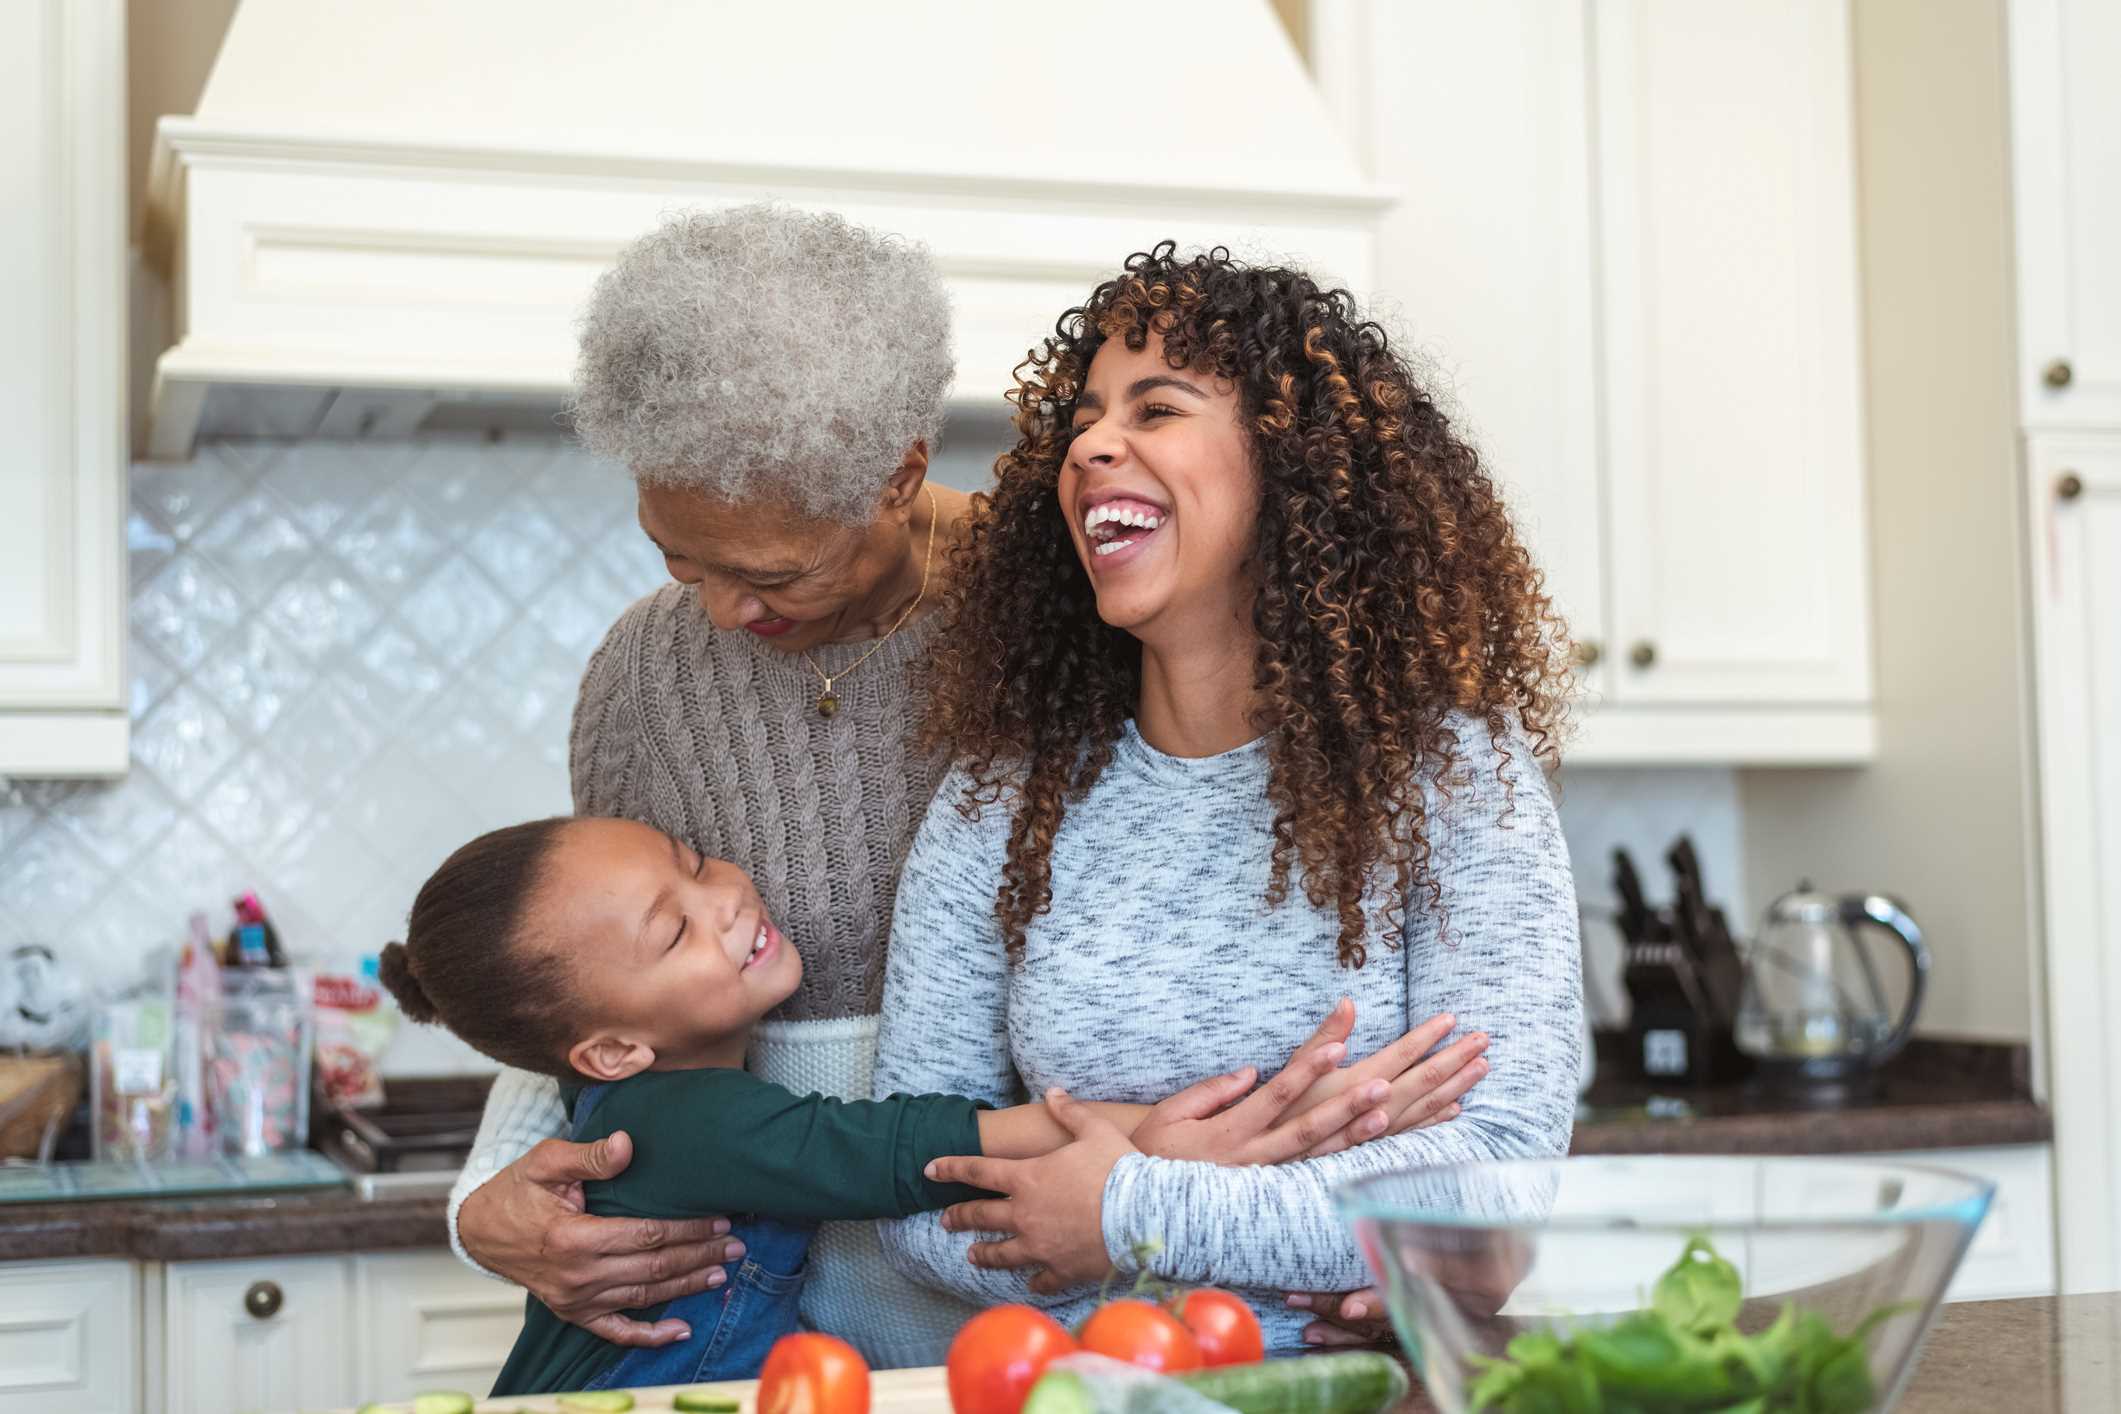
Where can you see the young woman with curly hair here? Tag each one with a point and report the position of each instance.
(1251, 690)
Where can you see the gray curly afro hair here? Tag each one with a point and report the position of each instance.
(758, 352)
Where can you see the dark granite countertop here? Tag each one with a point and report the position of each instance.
(1936, 1094)
(181, 1230)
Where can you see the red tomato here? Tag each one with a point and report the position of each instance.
(1141, 1334)
(999, 1355)
(809, 1373)
(1224, 1325)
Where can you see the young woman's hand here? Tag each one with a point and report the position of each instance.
(1425, 1089)
(1051, 1214)
(528, 1224)
(1281, 1120)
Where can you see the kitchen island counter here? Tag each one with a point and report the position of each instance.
(2038, 1356)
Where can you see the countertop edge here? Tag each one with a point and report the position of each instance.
(1977, 1124)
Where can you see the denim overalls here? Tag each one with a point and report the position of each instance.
(733, 1325)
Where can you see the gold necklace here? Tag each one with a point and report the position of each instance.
(827, 704)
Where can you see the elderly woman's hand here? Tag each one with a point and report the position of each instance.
(1051, 1214)
(528, 1224)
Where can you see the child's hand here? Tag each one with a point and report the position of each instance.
(1424, 1091)
(1216, 1121)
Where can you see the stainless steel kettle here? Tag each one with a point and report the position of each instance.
(1812, 1009)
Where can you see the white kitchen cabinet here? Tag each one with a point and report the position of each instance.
(2073, 514)
(1626, 243)
(267, 1333)
(1733, 434)
(423, 1320)
(2065, 157)
(2013, 1253)
(69, 1337)
(62, 388)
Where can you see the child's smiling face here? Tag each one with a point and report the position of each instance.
(672, 955)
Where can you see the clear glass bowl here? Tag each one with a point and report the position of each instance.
(1673, 1283)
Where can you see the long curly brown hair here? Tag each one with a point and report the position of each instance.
(1393, 592)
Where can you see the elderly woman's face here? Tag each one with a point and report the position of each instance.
(761, 568)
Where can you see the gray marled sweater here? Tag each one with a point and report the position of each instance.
(1160, 963)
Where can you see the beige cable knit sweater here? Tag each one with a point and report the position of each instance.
(715, 737)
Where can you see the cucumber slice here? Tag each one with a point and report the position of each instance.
(447, 1401)
(1059, 1392)
(596, 1401)
(703, 1401)
(1353, 1382)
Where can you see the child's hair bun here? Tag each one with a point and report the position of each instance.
(395, 969)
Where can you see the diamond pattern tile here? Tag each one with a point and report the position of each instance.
(525, 549)
(47, 876)
(325, 736)
(322, 615)
(180, 498)
(392, 675)
(457, 612)
(347, 658)
(148, 547)
(255, 676)
(257, 804)
(392, 543)
(149, 675)
(116, 820)
(321, 482)
(256, 547)
(464, 483)
(525, 676)
(185, 740)
(185, 610)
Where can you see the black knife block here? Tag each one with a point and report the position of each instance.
(1678, 1032)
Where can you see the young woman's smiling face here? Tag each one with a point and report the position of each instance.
(672, 954)
(1160, 495)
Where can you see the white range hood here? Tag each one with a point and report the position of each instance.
(383, 211)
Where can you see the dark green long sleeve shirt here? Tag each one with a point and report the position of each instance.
(724, 1143)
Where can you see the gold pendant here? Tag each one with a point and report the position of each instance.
(828, 705)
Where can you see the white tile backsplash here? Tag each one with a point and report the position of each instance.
(347, 658)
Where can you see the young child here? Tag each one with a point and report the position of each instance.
(614, 958)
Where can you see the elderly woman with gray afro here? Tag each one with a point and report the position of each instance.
(774, 381)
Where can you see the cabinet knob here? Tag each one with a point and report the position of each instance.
(263, 1299)
(2068, 486)
(2058, 374)
(1643, 654)
(1587, 654)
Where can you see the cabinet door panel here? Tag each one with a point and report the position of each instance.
(2074, 518)
(69, 1337)
(62, 380)
(2066, 150)
(219, 1357)
(426, 1321)
(1733, 435)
